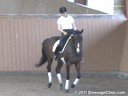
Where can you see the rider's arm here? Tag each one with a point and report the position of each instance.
(61, 30)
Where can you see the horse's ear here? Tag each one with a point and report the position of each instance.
(78, 32)
(82, 31)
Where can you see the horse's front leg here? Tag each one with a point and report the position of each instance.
(78, 76)
(67, 78)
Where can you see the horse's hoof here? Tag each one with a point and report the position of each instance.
(67, 91)
(72, 86)
(61, 86)
(49, 85)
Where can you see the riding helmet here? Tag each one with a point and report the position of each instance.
(62, 10)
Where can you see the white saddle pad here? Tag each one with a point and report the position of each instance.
(55, 45)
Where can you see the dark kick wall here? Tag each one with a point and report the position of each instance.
(105, 43)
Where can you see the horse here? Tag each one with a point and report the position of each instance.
(72, 55)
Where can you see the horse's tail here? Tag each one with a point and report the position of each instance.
(43, 59)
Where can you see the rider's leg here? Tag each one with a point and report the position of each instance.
(63, 40)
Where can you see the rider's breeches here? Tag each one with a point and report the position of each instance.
(63, 38)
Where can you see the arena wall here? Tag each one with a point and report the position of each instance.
(104, 47)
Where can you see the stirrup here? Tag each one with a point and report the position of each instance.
(61, 54)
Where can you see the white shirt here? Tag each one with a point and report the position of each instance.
(66, 22)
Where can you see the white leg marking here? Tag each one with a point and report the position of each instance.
(50, 77)
(67, 85)
(59, 78)
(76, 81)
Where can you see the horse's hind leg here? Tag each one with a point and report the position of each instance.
(78, 76)
(58, 68)
(49, 73)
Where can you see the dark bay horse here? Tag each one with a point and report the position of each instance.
(72, 55)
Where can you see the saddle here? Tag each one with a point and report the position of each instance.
(56, 44)
(56, 47)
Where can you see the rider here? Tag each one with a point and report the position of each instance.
(66, 25)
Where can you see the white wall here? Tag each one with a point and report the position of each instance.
(71, 0)
(106, 6)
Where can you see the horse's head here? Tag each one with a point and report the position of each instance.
(78, 40)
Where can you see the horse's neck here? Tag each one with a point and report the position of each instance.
(71, 46)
